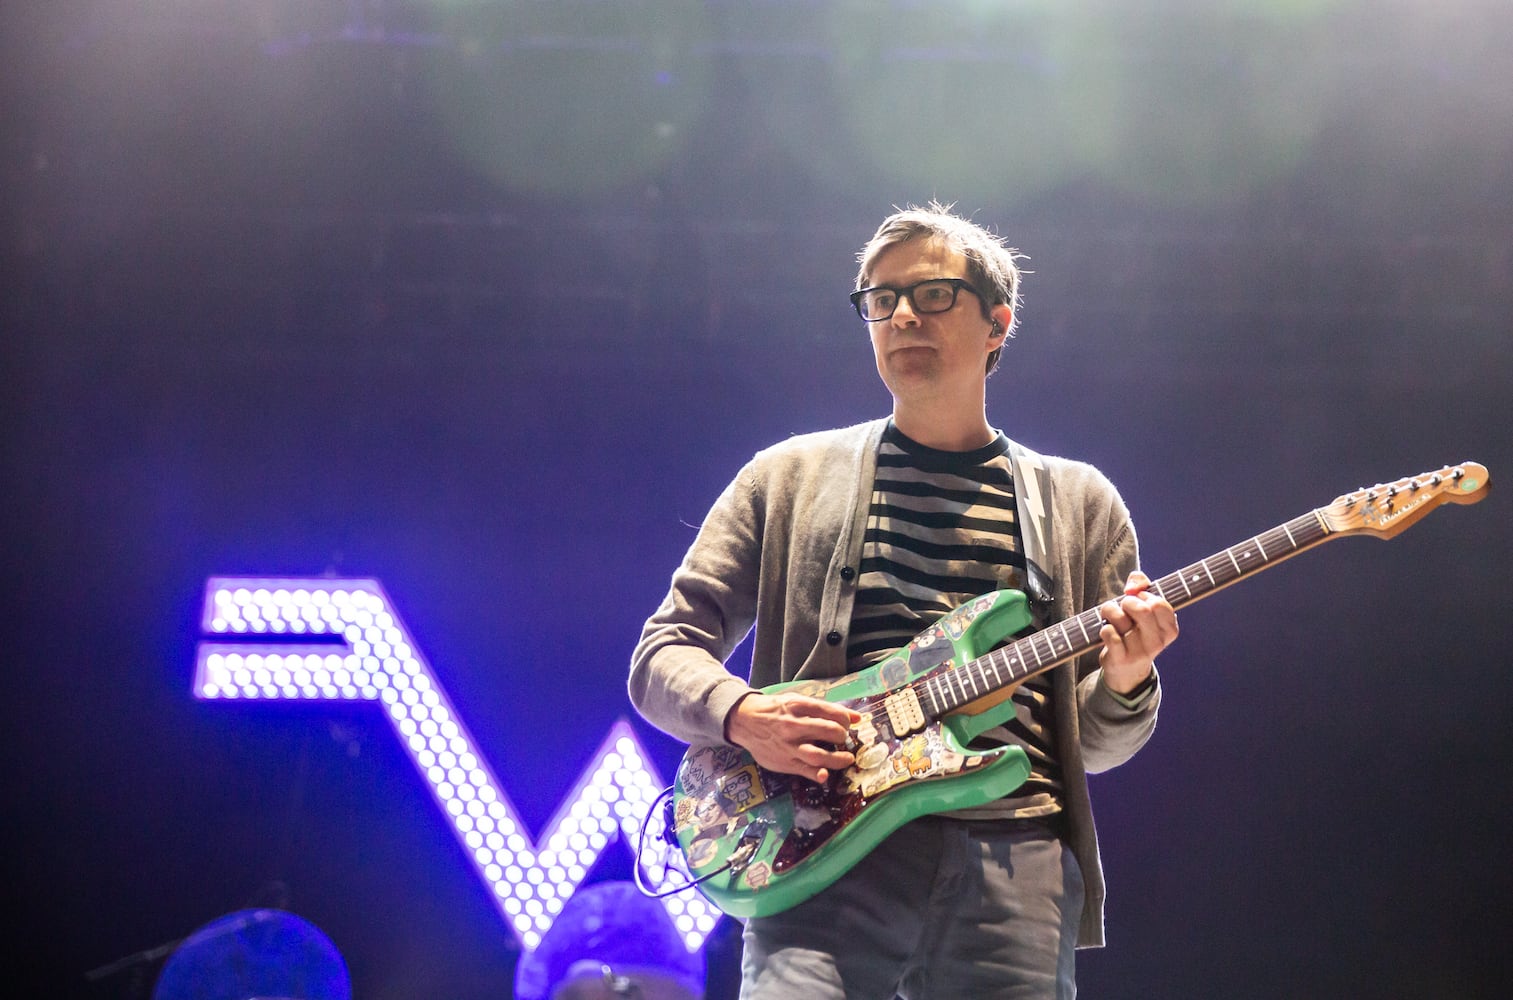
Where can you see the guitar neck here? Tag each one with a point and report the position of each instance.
(1193, 583)
(950, 690)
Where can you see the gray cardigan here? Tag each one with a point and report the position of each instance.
(771, 554)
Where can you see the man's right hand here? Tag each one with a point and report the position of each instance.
(792, 733)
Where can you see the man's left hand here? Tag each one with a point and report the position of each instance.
(1136, 628)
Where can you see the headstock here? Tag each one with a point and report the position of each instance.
(1388, 508)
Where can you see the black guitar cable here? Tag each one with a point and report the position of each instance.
(737, 860)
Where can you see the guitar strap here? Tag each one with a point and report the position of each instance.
(1032, 500)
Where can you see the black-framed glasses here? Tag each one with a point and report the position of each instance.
(934, 295)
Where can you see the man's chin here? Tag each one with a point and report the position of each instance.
(912, 363)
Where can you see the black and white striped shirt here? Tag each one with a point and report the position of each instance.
(941, 530)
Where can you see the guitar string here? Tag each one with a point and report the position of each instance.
(1280, 535)
(1309, 529)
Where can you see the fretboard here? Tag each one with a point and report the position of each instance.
(945, 691)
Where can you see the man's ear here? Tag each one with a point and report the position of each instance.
(1003, 319)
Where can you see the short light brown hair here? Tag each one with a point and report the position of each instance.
(992, 266)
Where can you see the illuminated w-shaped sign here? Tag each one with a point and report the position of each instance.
(371, 657)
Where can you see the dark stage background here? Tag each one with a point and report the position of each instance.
(488, 300)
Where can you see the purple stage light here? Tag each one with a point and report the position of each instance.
(371, 656)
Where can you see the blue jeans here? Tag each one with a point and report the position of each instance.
(943, 909)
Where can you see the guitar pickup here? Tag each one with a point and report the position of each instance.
(905, 714)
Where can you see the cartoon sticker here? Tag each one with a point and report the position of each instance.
(741, 790)
(683, 813)
(708, 812)
(957, 621)
(758, 875)
(925, 755)
(811, 688)
(893, 672)
(707, 763)
(702, 851)
(914, 758)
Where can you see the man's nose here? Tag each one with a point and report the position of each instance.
(903, 312)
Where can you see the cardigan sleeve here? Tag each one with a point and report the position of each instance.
(1111, 728)
(678, 680)
(1097, 552)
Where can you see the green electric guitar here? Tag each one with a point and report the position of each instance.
(758, 842)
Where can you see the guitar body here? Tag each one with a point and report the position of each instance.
(764, 842)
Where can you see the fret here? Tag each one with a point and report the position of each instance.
(1082, 625)
(1236, 562)
(1261, 547)
(1211, 579)
(1288, 532)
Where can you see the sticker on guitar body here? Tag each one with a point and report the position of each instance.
(721, 800)
(708, 764)
(957, 621)
(726, 786)
(880, 766)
